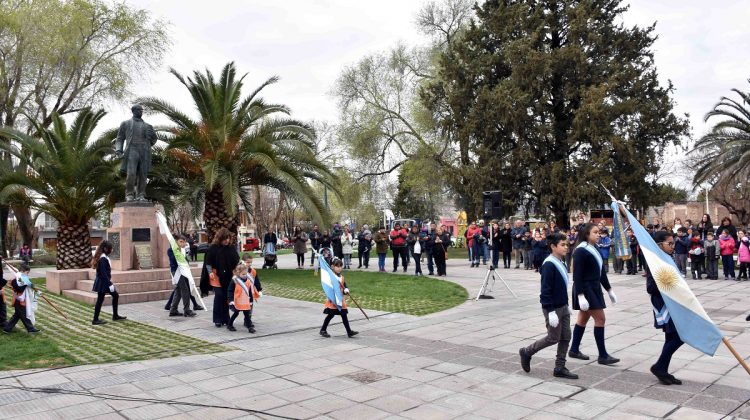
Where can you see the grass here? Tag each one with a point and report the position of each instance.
(379, 291)
(76, 341)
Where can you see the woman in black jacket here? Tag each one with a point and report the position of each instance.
(220, 261)
(103, 282)
(588, 278)
(506, 244)
(440, 250)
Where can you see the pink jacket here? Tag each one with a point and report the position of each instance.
(744, 253)
(726, 245)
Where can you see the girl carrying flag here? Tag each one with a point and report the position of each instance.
(335, 287)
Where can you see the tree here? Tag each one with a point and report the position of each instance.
(237, 143)
(545, 99)
(667, 192)
(69, 178)
(418, 195)
(57, 57)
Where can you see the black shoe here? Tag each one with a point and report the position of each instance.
(33, 331)
(747, 318)
(662, 376)
(119, 318)
(359, 266)
(325, 334)
(94, 322)
(431, 273)
(231, 328)
(352, 333)
(609, 360)
(251, 329)
(674, 380)
(578, 355)
(176, 313)
(525, 360)
(190, 314)
(563, 372)
(395, 269)
(198, 308)
(217, 324)
(167, 307)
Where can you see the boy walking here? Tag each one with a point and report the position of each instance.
(554, 300)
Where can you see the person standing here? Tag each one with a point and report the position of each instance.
(299, 246)
(572, 239)
(743, 254)
(346, 247)
(429, 246)
(181, 286)
(325, 240)
(588, 278)
(726, 223)
(662, 320)
(3, 308)
(221, 259)
(103, 282)
(506, 244)
(697, 255)
(398, 237)
(336, 233)
(705, 226)
(381, 247)
(440, 250)
(495, 244)
(484, 240)
(415, 243)
(726, 247)
(364, 245)
(554, 300)
(473, 233)
(528, 251)
(711, 248)
(681, 248)
(315, 240)
(518, 233)
(633, 244)
(603, 244)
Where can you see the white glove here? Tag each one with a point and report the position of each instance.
(612, 296)
(554, 321)
(583, 303)
(570, 310)
(346, 290)
(112, 288)
(260, 294)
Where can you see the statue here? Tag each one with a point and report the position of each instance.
(137, 137)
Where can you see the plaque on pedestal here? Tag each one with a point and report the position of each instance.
(134, 224)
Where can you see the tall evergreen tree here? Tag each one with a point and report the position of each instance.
(545, 99)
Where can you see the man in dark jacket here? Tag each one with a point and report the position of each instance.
(681, 248)
(662, 320)
(429, 245)
(315, 237)
(364, 245)
(554, 300)
(517, 234)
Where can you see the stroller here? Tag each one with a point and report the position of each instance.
(269, 256)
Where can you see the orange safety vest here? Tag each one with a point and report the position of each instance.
(241, 300)
(331, 305)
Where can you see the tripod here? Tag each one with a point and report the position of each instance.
(487, 287)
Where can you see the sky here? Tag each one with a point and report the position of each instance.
(701, 47)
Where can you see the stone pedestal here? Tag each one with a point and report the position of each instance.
(134, 223)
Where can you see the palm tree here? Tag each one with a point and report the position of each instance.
(725, 151)
(237, 143)
(65, 177)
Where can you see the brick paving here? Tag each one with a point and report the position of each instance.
(459, 363)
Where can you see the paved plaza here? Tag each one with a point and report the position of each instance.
(460, 363)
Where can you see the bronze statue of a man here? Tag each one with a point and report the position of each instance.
(137, 137)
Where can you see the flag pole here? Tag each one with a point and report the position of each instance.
(360, 308)
(736, 355)
(15, 270)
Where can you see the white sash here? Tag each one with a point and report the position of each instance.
(593, 251)
(560, 267)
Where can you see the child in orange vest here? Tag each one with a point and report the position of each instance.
(248, 259)
(242, 290)
(330, 308)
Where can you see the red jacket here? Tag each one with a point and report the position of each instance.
(398, 237)
(471, 232)
(726, 245)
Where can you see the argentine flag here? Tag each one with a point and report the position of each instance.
(330, 283)
(692, 322)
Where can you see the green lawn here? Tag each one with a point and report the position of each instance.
(379, 291)
(76, 341)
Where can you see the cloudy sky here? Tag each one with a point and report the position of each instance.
(702, 48)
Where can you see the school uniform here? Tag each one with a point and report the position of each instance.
(712, 258)
(331, 310)
(22, 305)
(243, 298)
(589, 277)
(553, 297)
(102, 285)
(662, 321)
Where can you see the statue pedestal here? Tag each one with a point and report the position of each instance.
(134, 224)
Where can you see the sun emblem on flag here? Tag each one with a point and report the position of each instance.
(666, 278)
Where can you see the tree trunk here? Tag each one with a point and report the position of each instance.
(73, 246)
(215, 215)
(25, 225)
(4, 211)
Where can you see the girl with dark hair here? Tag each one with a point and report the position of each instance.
(588, 278)
(705, 226)
(726, 223)
(506, 244)
(299, 240)
(331, 309)
(103, 283)
(220, 261)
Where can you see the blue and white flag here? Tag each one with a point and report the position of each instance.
(330, 283)
(691, 320)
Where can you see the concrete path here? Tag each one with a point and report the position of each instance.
(460, 363)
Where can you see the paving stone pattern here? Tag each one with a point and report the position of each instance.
(460, 363)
